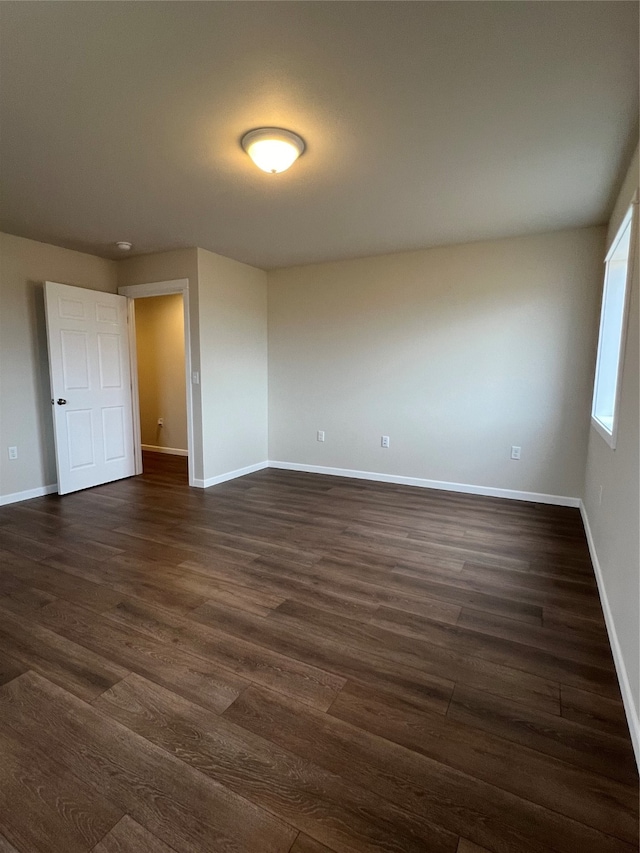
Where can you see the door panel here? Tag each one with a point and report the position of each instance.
(109, 360)
(90, 386)
(75, 360)
(70, 309)
(113, 427)
(106, 313)
(81, 439)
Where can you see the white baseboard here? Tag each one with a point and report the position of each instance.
(488, 491)
(623, 679)
(28, 494)
(230, 475)
(511, 494)
(172, 451)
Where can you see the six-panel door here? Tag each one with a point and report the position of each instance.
(90, 386)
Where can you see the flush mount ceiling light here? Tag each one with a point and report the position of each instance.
(123, 245)
(273, 149)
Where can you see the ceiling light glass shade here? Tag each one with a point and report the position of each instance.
(273, 149)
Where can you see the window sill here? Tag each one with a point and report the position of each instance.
(602, 428)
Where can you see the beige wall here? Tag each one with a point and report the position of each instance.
(168, 266)
(161, 371)
(229, 350)
(233, 352)
(25, 408)
(159, 266)
(456, 353)
(614, 523)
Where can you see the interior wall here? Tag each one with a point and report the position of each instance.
(456, 353)
(161, 371)
(612, 521)
(169, 266)
(233, 352)
(228, 316)
(25, 414)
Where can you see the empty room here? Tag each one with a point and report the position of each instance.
(319, 427)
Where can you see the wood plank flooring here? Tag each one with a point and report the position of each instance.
(291, 663)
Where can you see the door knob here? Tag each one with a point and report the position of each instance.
(61, 402)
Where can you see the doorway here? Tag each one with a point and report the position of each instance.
(161, 377)
(159, 330)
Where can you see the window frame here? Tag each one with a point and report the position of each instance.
(630, 220)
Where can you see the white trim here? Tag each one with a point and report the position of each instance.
(135, 393)
(603, 432)
(231, 475)
(172, 451)
(623, 679)
(28, 494)
(611, 435)
(162, 288)
(154, 288)
(488, 491)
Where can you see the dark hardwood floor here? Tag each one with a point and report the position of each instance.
(291, 663)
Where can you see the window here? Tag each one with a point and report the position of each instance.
(612, 330)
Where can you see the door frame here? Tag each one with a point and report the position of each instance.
(142, 291)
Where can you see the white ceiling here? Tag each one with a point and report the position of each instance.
(426, 122)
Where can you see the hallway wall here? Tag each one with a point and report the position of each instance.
(161, 372)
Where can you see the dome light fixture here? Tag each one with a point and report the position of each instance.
(124, 245)
(273, 149)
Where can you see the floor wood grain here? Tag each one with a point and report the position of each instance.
(127, 836)
(183, 807)
(292, 663)
(64, 813)
(304, 844)
(5, 847)
(313, 800)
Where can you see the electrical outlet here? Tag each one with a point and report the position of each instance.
(320, 435)
(384, 442)
(13, 453)
(516, 452)
(160, 422)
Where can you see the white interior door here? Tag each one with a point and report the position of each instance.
(90, 386)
